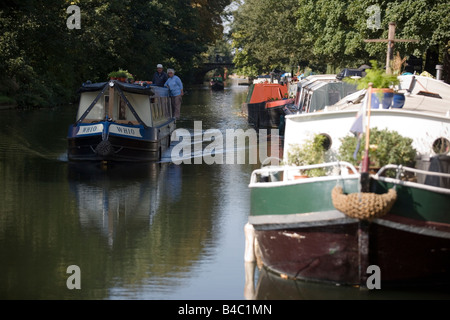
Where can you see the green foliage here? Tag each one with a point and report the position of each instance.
(310, 152)
(45, 62)
(4, 100)
(264, 36)
(386, 147)
(377, 76)
(120, 74)
(332, 32)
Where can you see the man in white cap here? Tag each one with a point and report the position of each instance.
(160, 77)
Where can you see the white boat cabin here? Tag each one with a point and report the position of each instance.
(124, 103)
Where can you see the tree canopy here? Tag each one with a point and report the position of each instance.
(324, 33)
(42, 61)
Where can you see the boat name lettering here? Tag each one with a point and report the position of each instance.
(90, 129)
(127, 131)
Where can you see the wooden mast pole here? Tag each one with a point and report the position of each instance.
(390, 48)
(390, 44)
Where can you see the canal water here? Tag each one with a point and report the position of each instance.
(153, 231)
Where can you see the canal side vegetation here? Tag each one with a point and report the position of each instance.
(328, 35)
(43, 62)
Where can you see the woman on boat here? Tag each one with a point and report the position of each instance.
(175, 91)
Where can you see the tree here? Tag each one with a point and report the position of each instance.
(264, 36)
(336, 29)
(42, 62)
(268, 33)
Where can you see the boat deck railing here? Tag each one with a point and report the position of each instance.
(425, 186)
(285, 174)
(270, 174)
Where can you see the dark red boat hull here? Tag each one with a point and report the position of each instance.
(330, 254)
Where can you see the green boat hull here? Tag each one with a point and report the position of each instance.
(303, 236)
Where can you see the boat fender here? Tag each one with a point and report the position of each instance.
(104, 148)
(363, 205)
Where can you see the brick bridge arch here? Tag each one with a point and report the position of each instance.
(200, 75)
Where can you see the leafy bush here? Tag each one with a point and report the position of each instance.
(311, 152)
(119, 74)
(386, 147)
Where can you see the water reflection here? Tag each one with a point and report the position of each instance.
(152, 233)
(112, 196)
(270, 286)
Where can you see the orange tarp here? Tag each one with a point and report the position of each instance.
(266, 91)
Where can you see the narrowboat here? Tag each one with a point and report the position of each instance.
(216, 83)
(265, 104)
(119, 121)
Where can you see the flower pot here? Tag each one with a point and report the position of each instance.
(386, 96)
(300, 177)
(398, 101)
(122, 79)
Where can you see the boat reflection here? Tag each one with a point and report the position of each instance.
(142, 229)
(115, 197)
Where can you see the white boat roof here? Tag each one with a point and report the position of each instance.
(421, 98)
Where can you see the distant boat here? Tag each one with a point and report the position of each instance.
(119, 121)
(307, 228)
(265, 104)
(216, 83)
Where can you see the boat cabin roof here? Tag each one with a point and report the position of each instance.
(422, 94)
(127, 87)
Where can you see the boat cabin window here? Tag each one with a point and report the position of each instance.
(140, 104)
(160, 109)
(122, 109)
(97, 112)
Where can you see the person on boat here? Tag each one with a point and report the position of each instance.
(175, 92)
(159, 77)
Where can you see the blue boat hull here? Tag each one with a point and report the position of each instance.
(109, 141)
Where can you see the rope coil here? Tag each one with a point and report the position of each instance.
(364, 205)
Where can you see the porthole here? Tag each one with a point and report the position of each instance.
(327, 142)
(441, 146)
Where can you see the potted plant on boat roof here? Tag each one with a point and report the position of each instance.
(121, 75)
(386, 147)
(312, 151)
(113, 75)
(381, 85)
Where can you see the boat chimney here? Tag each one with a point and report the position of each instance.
(439, 68)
